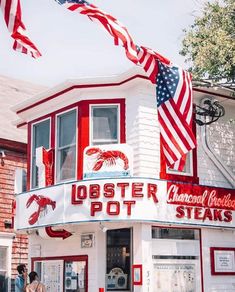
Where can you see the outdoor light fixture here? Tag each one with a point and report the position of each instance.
(103, 228)
(209, 111)
(3, 155)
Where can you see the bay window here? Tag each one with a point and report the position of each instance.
(40, 137)
(66, 146)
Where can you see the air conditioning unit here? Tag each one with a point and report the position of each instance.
(116, 279)
(68, 283)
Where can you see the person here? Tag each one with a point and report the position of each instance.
(35, 285)
(21, 279)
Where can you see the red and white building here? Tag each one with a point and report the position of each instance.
(13, 159)
(103, 211)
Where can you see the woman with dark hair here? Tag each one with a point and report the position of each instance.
(35, 285)
(21, 279)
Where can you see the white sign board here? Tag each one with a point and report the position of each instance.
(124, 199)
(111, 160)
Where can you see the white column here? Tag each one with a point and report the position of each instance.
(142, 254)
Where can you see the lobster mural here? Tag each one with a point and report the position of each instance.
(43, 203)
(107, 157)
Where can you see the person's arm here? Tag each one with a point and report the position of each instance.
(43, 288)
(25, 280)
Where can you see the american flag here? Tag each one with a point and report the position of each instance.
(109, 23)
(12, 14)
(174, 104)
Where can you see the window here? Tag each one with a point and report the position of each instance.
(3, 269)
(175, 233)
(41, 137)
(118, 259)
(68, 274)
(104, 124)
(66, 146)
(187, 168)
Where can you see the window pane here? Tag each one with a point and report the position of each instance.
(174, 233)
(41, 133)
(3, 258)
(41, 137)
(187, 168)
(75, 276)
(67, 129)
(105, 123)
(67, 163)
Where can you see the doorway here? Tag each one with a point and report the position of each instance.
(118, 259)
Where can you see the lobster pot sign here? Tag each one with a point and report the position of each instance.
(103, 161)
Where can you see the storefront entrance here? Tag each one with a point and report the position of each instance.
(118, 260)
(176, 260)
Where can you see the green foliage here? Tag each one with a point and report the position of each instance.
(209, 44)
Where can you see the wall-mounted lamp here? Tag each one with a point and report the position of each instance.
(3, 155)
(103, 228)
(209, 111)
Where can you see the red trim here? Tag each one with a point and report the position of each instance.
(213, 93)
(21, 125)
(212, 255)
(83, 124)
(201, 259)
(29, 156)
(81, 86)
(13, 145)
(64, 258)
(139, 269)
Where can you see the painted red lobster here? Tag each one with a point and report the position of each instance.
(42, 202)
(107, 157)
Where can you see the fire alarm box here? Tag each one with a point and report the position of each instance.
(116, 279)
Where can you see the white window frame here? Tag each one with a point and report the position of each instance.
(188, 173)
(104, 105)
(6, 242)
(31, 150)
(57, 179)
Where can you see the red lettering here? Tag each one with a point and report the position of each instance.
(115, 206)
(180, 212)
(197, 213)
(94, 191)
(137, 189)
(109, 190)
(189, 212)
(218, 215)
(152, 192)
(95, 207)
(228, 216)
(129, 205)
(81, 193)
(123, 188)
(207, 214)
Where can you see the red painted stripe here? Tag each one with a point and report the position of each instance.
(80, 86)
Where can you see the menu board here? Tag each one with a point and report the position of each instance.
(175, 277)
(52, 275)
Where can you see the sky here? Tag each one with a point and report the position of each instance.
(72, 46)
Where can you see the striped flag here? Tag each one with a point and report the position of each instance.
(108, 22)
(12, 14)
(174, 104)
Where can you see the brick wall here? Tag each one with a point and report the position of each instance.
(15, 157)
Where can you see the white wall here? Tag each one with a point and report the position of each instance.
(216, 238)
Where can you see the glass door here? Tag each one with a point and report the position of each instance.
(118, 260)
